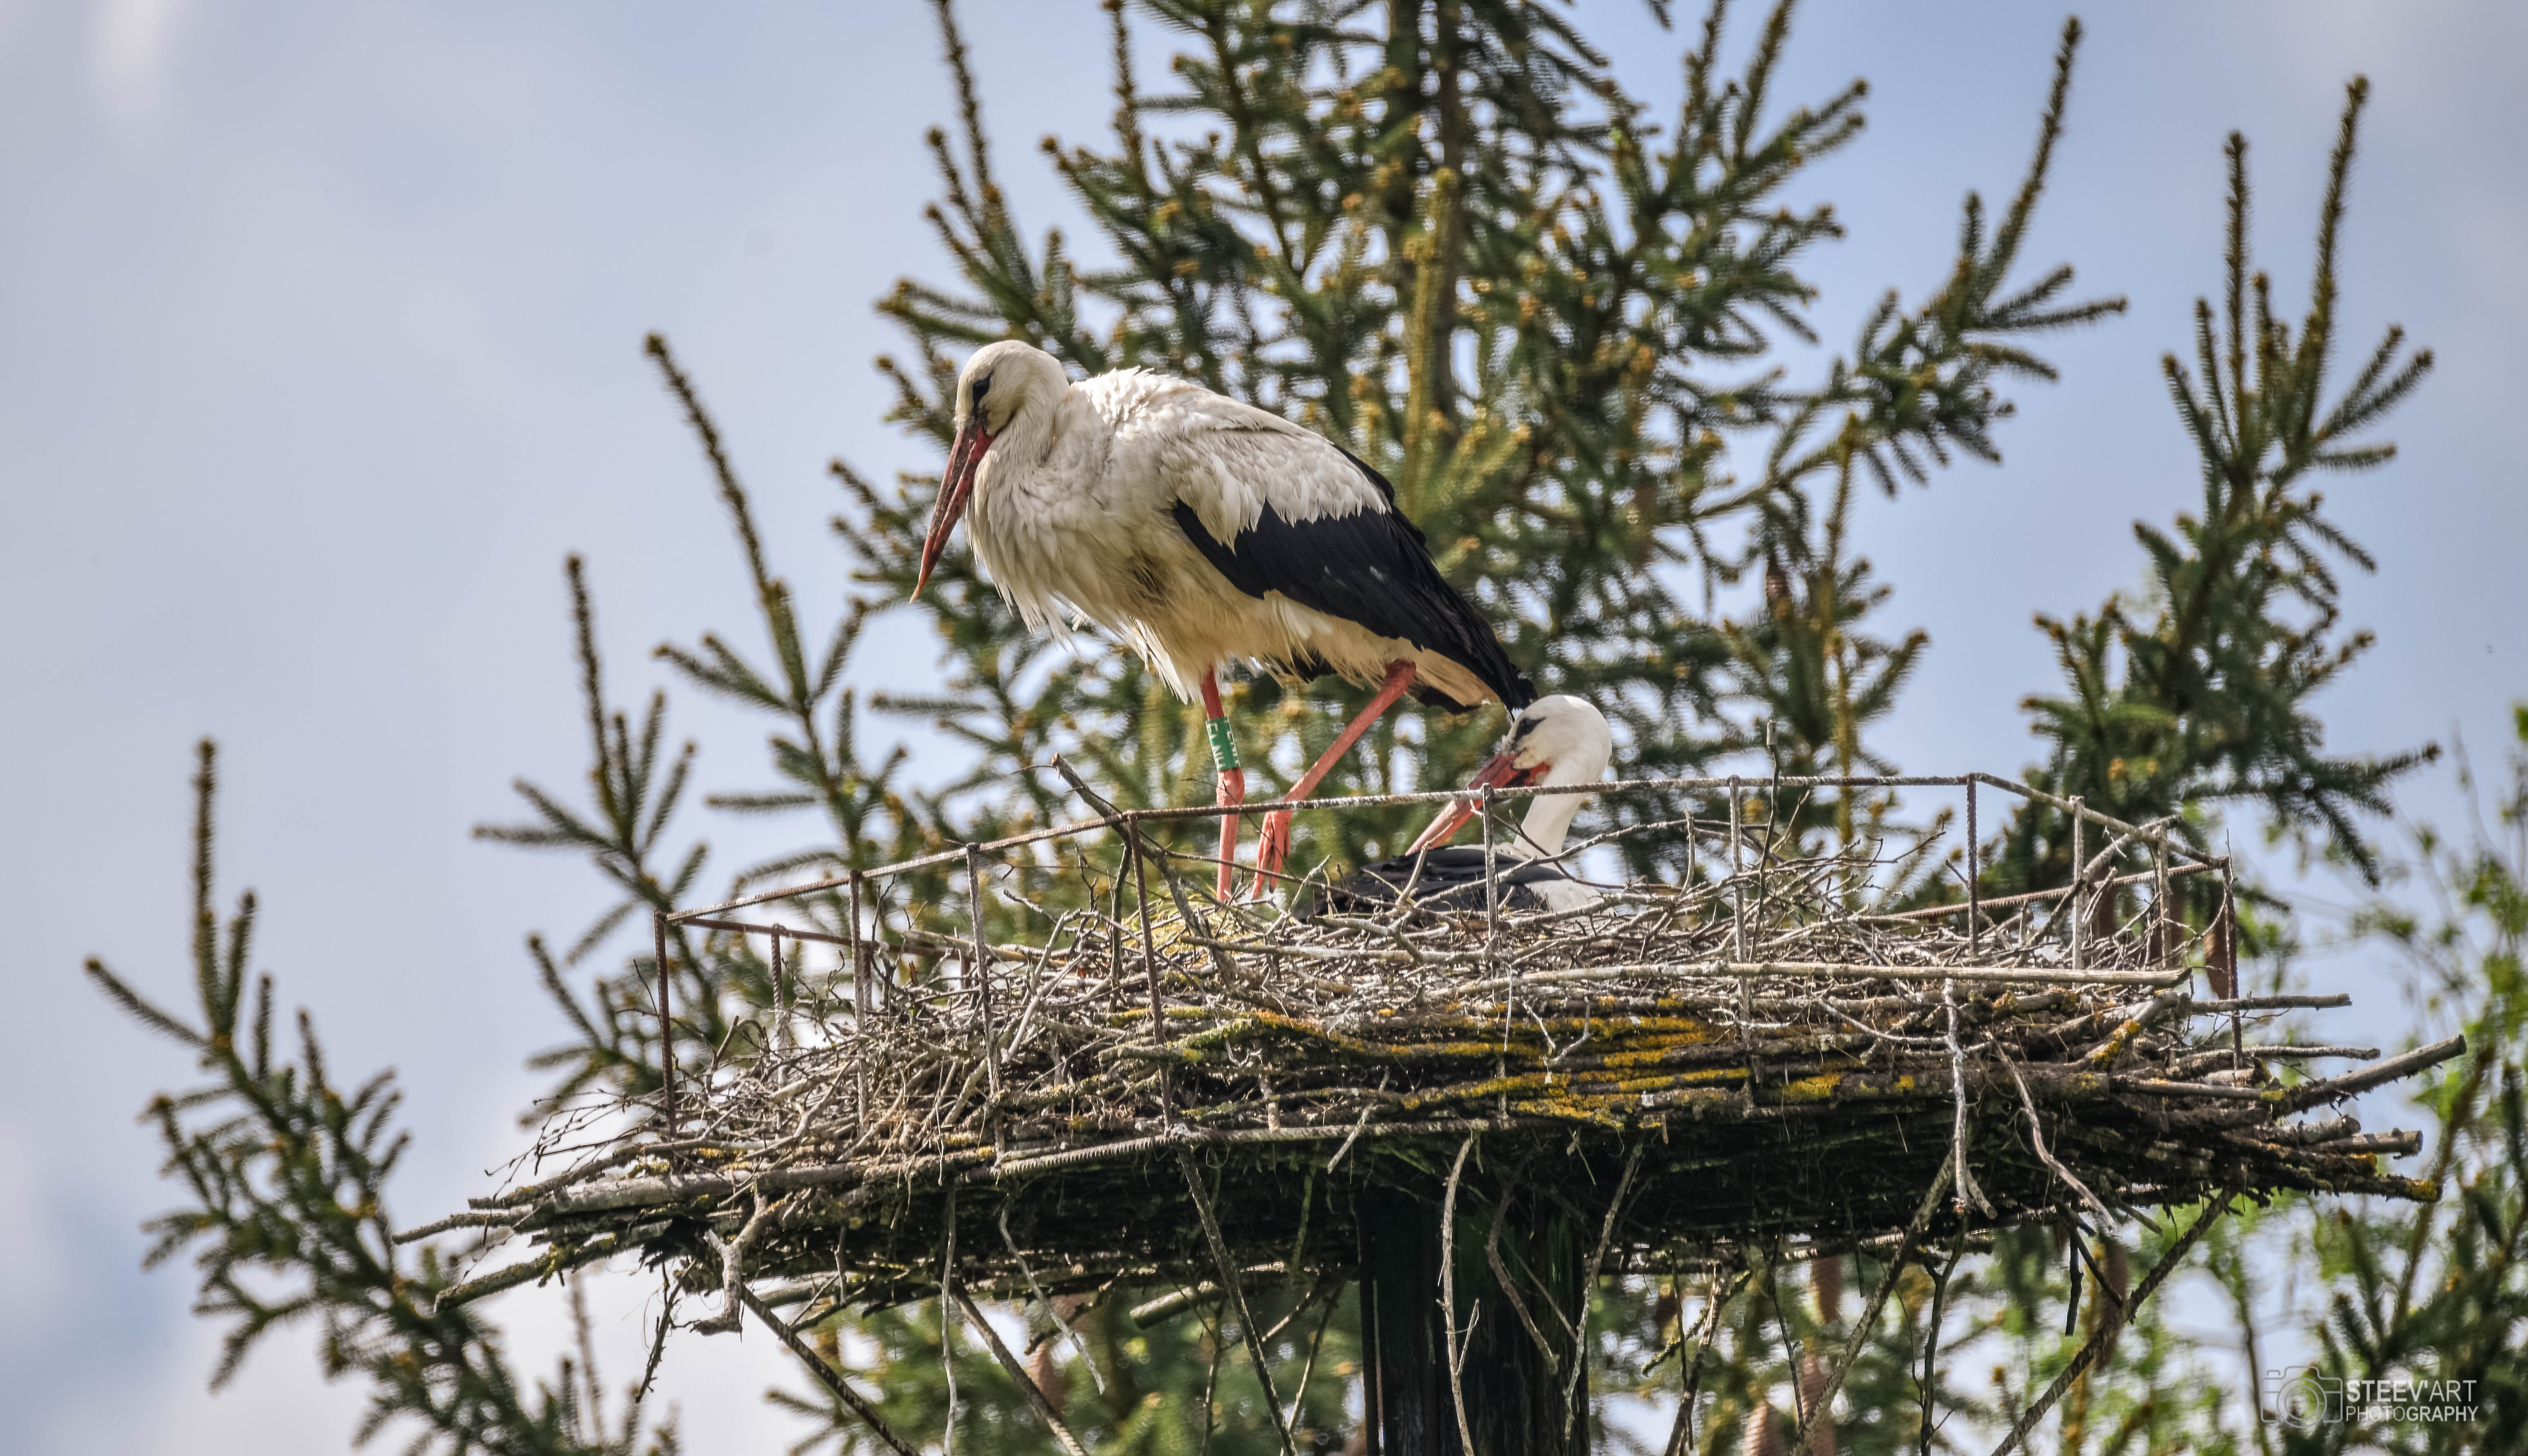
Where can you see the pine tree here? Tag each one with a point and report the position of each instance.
(1343, 205)
(2196, 694)
(285, 1172)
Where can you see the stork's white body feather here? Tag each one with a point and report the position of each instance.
(1073, 520)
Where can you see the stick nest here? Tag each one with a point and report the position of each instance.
(1755, 1064)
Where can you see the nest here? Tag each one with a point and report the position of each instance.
(1156, 1093)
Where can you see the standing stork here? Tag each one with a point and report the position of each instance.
(1200, 529)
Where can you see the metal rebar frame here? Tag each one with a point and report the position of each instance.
(2171, 858)
(2079, 813)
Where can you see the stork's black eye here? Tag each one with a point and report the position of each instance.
(1525, 727)
(983, 387)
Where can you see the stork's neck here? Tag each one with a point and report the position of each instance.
(1549, 816)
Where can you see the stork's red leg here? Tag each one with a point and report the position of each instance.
(1229, 783)
(1275, 844)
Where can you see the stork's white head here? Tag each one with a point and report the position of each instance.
(1558, 740)
(1007, 386)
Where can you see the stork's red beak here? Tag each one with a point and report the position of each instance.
(965, 458)
(1500, 771)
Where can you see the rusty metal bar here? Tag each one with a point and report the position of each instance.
(2163, 931)
(744, 928)
(1975, 876)
(666, 1029)
(2079, 913)
(2227, 928)
(1737, 877)
(1492, 936)
(1115, 941)
(982, 968)
(781, 994)
(1738, 923)
(1492, 868)
(1753, 971)
(1149, 960)
(1934, 911)
(860, 1006)
(1444, 796)
(863, 992)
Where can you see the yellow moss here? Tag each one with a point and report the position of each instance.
(1309, 1032)
(1571, 1112)
(1819, 1088)
(1625, 1029)
(1649, 1056)
(1701, 1077)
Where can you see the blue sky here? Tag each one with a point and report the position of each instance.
(318, 348)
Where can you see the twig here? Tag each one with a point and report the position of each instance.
(948, 1320)
(1148, 848)
(1299, 1241)
(585, 1339)
(732, 1266)
(1589, 1281)
(2363, 1078)
(1316, 1344)
(827, 1375)
(1325, 1281)
(1026, 1385)
(658, 1352)
(1210, 1388)
(1455, 1351)
(455, 1221)
(1509, 1287)
(1356, 1128)
(2036, 1139)
(1680, 1435)
(1968, 1192)
(1078, 1346)
(1861, 1327)
(1930, 1384)
(1237, 1289)
(552, 1262)
(1790, 1348)
(2088, 1351)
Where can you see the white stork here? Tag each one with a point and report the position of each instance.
(1558, 740)
(1200, 529)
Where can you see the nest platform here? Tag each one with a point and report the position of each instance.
(1156, 1087)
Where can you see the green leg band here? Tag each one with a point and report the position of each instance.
(1224, 748)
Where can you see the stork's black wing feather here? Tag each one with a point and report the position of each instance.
(1371, 567)
(1451, 881)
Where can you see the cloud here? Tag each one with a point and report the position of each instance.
(131, 49)
(29, 1277)
(161, 1400)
